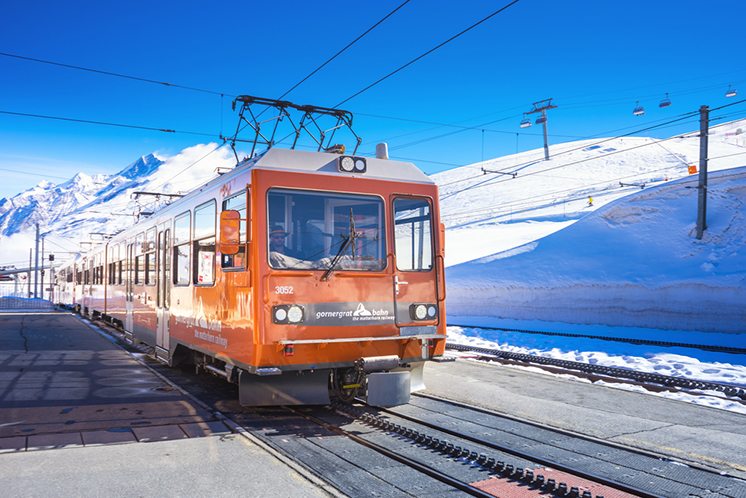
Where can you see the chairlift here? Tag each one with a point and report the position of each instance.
(525, 122)
(665, 102)
(731, 92)
(638, 110)
(541, 120)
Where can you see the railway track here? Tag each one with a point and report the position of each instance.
(435, 447)
(587, 369)
(628, 340)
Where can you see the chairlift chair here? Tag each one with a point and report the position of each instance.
(541, 120)
(525, 122)
(730, 92)
(665, 102)
(638, 110)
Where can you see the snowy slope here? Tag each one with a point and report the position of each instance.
(634, 262)
(546, 196)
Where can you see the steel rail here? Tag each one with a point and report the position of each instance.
(630, 340)
(616, 372)
(496, 466)
(440, 476)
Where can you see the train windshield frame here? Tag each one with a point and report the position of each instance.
(319, 230)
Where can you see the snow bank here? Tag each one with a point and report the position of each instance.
(634, 262)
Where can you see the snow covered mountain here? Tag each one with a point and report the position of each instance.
(70, 211)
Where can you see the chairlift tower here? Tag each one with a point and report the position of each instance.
(542, 107)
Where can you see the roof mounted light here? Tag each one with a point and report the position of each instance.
(351, 164)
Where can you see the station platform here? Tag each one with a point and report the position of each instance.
(67, 388)
(690, 433)
(81, 416)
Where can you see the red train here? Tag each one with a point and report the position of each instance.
(297, 275)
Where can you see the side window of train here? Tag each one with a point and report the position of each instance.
(149, 250)
(413, 234)
(237, 261)
(203, 263)
(182, 248)
(139, 259)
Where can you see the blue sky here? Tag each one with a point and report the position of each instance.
(595, 58)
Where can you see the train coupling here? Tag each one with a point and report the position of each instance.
(385, 386)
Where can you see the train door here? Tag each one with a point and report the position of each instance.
(128, 292)
(415, 283)
(163, 293)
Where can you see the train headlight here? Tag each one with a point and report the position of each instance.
(350, 164)
(281, 314)
(346, 164)
(423, 311)
(295, 314)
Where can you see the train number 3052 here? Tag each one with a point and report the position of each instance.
(283, 289)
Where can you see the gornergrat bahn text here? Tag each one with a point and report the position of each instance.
(298, 275)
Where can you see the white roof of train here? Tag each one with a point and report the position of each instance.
(323, 162)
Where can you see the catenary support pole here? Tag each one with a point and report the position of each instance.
(36, 264)
(704, 118)
(28, 273)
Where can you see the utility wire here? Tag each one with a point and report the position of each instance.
(105, 123)
(344, 49)
(111, 73)
(427, 53)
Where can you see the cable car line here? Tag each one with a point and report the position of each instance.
(383, 78)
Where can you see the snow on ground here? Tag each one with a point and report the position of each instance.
(676, 362)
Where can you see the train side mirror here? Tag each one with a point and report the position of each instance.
(230, 225)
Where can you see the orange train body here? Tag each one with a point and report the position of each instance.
(294, 275)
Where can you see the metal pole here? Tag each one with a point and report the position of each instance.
(41, 288)
(36, 263)
(28, 275)
(704, 115)
(546, 143)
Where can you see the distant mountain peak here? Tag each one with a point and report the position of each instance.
(141, 168)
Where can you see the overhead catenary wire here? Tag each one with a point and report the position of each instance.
(107, 123)
(112, 73)
(321, 66)
(421, 56)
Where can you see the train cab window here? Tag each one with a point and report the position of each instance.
(203, 264)
(322, 230)
(413, 234)
(150, 257)
(139, 259)
(237, 261)
(182, 248)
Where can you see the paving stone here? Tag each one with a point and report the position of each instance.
(108, 437)
(52, 441)
(12, 444)
(202, 429)
(158, 433)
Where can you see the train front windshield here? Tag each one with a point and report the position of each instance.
(319, 230)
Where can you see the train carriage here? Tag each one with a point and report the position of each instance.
(297, 275)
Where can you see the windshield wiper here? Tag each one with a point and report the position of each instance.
(346, 242)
